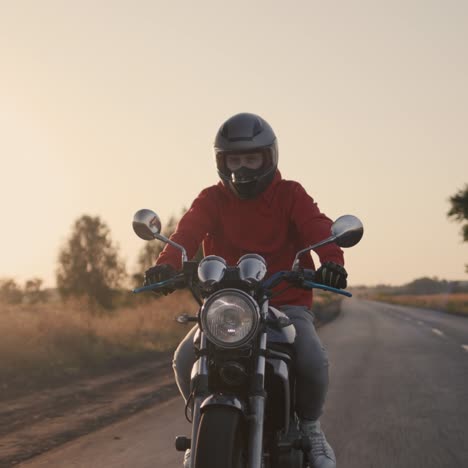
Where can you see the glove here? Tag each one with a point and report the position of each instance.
(332, 274)
(160, 273)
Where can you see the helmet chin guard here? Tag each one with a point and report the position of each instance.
(246, 133)
(246, 183)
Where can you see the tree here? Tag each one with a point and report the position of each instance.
(88, 264)
(459, 211)
(33, 292)
(10, 292)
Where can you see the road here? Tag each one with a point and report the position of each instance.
(398, 398)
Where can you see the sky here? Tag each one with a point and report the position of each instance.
(107, 107)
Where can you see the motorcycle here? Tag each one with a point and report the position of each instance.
(242, 397)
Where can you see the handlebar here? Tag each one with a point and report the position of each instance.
(313, 285)
(303, 279)
(173, 282)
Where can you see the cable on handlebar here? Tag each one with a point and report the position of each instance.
(299, 279)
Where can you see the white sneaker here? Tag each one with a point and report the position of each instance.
(187, 459)
(321, 454)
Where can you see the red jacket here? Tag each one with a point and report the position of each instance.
(277, 224)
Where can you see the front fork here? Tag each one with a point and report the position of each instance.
(257, 408)
(200, 369)
(256, 402)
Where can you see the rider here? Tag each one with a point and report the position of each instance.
(252, 209)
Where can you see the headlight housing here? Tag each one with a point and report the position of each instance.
(230, 318)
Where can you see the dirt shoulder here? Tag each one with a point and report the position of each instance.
(32, 424)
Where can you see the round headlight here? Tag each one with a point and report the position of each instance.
(252, 268)
(230, 318)
(211, 270)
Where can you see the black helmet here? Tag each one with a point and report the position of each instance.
(241, 134)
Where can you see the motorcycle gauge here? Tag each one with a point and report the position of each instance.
(252, 268)
(211, 271)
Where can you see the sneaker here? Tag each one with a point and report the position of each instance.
(321, 455)
(187, 459)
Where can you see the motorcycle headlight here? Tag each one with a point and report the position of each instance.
(230, 318)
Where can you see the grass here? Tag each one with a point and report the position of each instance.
(323, 298)
(49, 343)
(326, 306)
(456, 303)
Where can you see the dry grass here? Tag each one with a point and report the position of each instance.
(324, 297)
(326, 306)
(453, 303)
(50, 342)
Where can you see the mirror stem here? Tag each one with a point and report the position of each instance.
(295, 265)
(177, 246)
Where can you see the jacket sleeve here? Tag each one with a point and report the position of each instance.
(191, 229)
(313, 226)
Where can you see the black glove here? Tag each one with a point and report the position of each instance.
(159, 273)
(332, 274)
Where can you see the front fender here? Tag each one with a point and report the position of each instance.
(223, 400)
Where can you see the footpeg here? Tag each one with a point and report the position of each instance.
(182, 443)
(304, 444)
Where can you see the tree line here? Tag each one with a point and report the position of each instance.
(422, 286)
(31, 293)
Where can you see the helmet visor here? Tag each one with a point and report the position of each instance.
(230, 161)
(235, 161)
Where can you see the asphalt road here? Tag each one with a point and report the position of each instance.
(398, 397)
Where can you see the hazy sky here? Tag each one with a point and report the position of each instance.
(111, 106)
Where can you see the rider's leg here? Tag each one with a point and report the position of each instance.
(184, 357)
(311, 384)
(311, 364)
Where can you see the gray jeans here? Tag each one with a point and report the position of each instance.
(311, 363)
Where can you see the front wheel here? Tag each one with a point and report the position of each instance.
(221, 440)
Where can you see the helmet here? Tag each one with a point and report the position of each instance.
(242, 134)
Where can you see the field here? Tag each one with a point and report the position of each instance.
(52, 343)
(451, 303)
